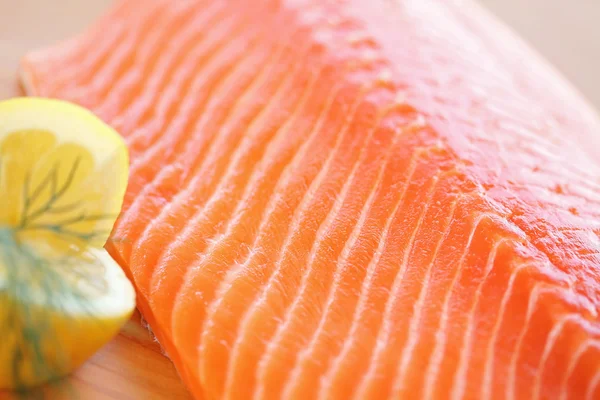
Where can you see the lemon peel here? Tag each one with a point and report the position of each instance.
(63, 175)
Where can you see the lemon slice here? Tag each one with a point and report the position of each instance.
(63, 175)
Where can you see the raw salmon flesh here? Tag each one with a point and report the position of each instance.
(348, 199)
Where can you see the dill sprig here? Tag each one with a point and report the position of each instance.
(28, 279)
(31, 281)
(52, 206)
(28, 215)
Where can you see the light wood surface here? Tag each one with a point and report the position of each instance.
(129, 367)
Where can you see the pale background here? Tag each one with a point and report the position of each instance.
(566, 32)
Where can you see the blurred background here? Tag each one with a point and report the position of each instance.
(566, 32)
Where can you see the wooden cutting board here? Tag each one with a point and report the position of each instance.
(132, 365)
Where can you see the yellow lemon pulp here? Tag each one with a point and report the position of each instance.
(63, 175)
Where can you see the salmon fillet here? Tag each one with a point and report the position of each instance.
(359, 199)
